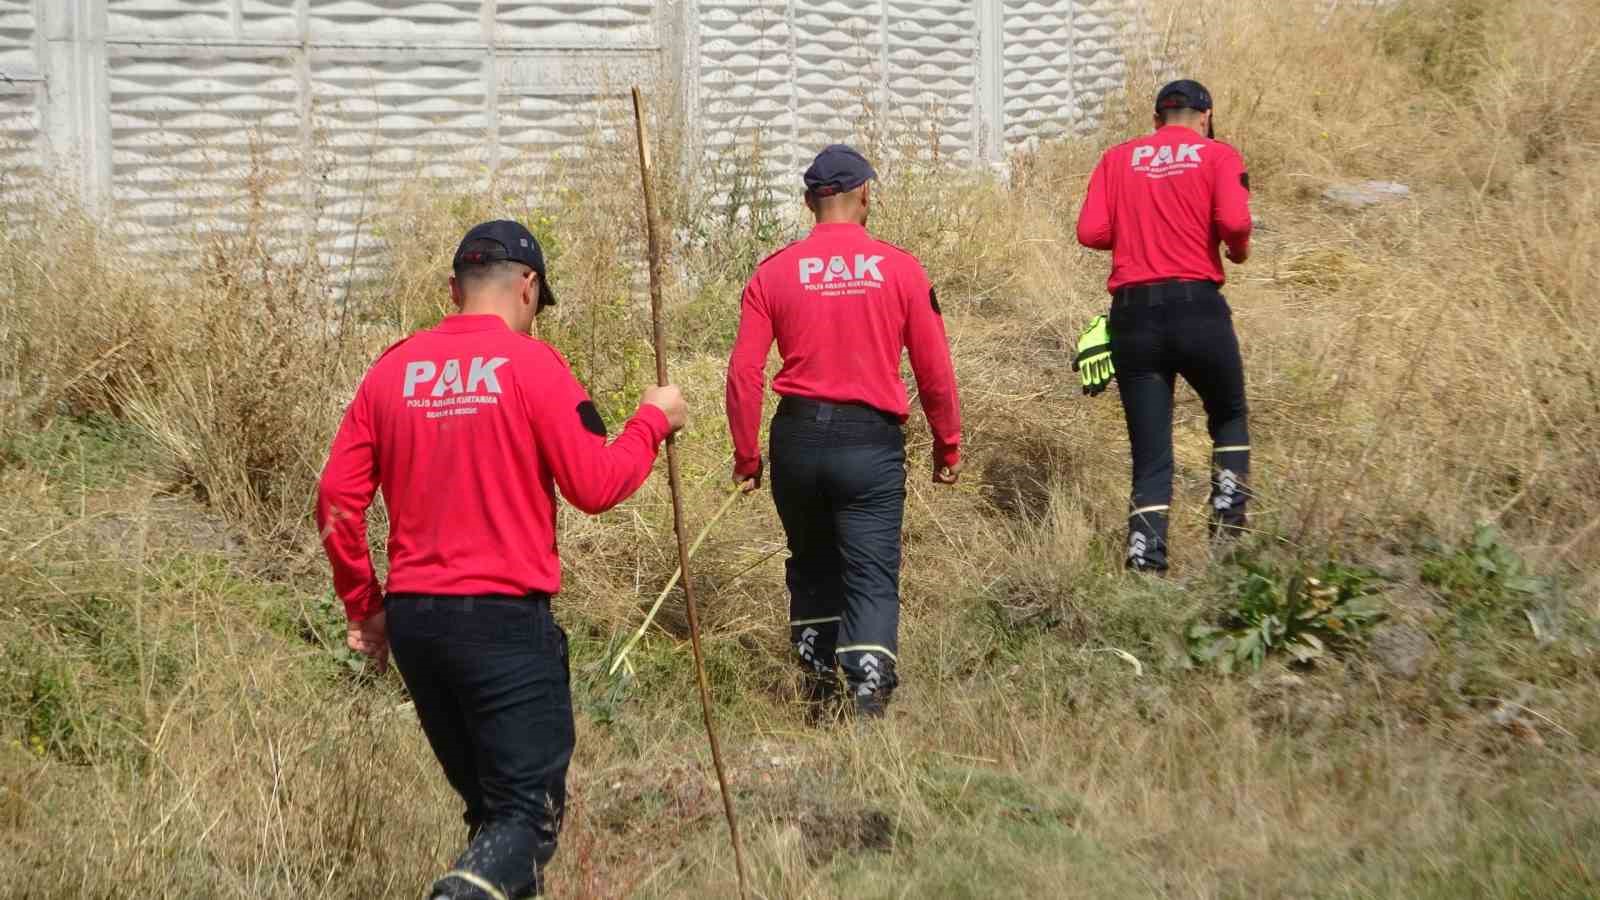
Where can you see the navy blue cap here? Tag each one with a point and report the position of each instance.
(1183, 94)
(837, 169)
(516, 244)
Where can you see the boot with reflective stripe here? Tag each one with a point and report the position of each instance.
(869, 675)
(1229, 492)
(1147, 539)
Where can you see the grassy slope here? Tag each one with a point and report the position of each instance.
(177, 717)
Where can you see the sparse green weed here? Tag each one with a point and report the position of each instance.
(1285, 608)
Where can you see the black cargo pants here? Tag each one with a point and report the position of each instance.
(839, 482)
(1158, 332)
(489, 679)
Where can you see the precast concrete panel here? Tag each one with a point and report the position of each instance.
(838, 70)
(269, 20)
(21, 100)
(747, 82)
(387, 118)
(310, 106)
(402, 22)
(1060, 61)
(165, 109)
(553, 104)
(1102, 32)
(185, 20)
(18, 30)
(617, 25)
(932, 59)
(191, 129)
(1038, 69)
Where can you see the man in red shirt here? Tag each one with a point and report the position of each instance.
(468, 428)
(1161, 204)
(842, 307)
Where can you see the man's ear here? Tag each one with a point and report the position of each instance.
(456, 295)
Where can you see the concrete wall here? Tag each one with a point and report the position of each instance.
(160, 107)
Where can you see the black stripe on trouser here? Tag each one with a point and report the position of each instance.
(1158, 333)
(838, 481)
(490, 682)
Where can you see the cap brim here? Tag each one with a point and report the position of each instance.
(546, 296)
(845, 187)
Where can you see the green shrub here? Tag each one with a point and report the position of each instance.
(1285, 609)
(1485, 580)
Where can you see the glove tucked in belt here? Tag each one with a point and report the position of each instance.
(1093, 362)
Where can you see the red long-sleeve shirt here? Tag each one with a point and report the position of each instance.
(468, 428)
(842, 306)
(1161, 204)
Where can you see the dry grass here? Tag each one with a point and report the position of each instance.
(178, 718)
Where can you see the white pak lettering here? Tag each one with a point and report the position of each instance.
(450, 380)
(1187, 155)
(481, 376)
(838, 269)
(482, 373)
(417, 373)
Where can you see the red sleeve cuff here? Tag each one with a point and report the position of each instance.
(947, 456)
(747, 468)
(364, 607)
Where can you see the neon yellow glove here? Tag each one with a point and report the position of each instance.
(1093, 362)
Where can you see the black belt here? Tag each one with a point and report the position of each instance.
(824, 411)
(1158, 291)
(467, 601)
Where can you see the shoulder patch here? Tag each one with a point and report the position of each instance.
(933, 300)
(590, 416)
(1244, 180)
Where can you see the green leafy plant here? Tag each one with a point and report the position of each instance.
(1486, 578)
(1286, 610)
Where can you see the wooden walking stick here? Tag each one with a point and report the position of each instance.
(672, 481)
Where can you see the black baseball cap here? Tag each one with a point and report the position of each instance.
(516, 244)
(1183, 94)
(837, 169)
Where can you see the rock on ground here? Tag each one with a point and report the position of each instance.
(1402, 650)
(1361, 195)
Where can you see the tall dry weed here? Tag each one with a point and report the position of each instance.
(74, 328)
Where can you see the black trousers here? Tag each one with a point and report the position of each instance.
(1159, 332)
(839, 482)
(490, 682)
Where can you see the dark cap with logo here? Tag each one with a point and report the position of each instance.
(837, 169)
(1183, 94)
(504, 241)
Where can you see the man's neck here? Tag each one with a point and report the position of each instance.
(497, 307)
(838, 220)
